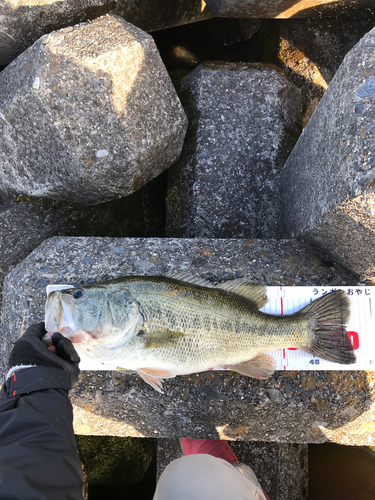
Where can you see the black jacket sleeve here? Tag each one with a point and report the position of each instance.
(38, 453)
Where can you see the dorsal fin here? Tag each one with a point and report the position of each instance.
(257, 294)
(190, 278)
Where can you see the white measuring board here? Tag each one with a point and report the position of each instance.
(289, 299)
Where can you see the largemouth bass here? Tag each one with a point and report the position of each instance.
(162, 327)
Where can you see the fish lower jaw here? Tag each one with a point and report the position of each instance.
(83, 336)
(76, 337)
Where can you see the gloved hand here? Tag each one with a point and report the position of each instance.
(30, 350)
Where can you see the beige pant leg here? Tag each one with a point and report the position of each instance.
(203, 477)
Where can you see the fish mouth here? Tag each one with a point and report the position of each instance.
(58, 316)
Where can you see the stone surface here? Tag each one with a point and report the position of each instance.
(167, 450)
(23, 226)
(243, 122)
(26, 224)
(23, 22)
(284, 9)
(312, 50)
(327, 184)
(281, 468)
(88, 114)
(310, 407)
(139, 214)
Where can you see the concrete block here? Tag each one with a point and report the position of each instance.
(284, 9)
(281, 468)
(139, 214)
(244, 120)
(24, 226)
(22, 23)
(310, 407)
(167, 450)
(327, 184)
(88, 114)
(312, 50)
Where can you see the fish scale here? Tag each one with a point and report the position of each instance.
(207, 344)
(164, 327)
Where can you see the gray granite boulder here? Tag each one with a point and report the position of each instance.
(285, 9)
(88, 114)
(288, 407)
(327, 185)
(244, 120)
(22, 23)
(281, 468)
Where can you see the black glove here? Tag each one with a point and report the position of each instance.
(30, 350)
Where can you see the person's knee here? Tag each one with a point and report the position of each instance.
(198, 476)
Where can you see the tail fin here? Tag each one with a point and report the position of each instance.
(327, 318)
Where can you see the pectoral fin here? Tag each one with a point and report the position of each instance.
(155, 377)
(261, 366)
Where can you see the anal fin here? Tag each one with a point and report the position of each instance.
(155, 377)
(261, 366)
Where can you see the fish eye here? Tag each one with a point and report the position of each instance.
(78, 293)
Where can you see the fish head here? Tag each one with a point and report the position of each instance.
(95, 314)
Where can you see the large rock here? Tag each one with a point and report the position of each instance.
(327, 184)
(88, 114)
(139, 214)
(22, 22)
(244, 121)
(295, 407)
(284, 9)
(24, 226)
(312, 50)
